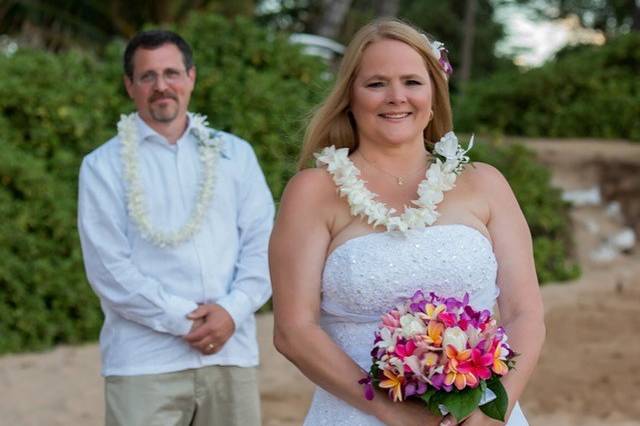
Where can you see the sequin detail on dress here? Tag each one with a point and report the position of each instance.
(367, 275)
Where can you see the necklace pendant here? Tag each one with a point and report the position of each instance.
(400, 180)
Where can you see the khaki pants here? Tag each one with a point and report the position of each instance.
(207, 396)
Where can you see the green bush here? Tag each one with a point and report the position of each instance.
(588, 92)
(542, 205)
(54, 109)
(256, 85)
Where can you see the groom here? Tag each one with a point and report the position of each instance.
(174, 221)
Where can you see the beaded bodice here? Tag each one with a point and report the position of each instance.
(366, 276)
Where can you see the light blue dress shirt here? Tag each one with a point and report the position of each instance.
(146, 291)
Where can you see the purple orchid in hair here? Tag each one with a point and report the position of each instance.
(441, 54)
(444, 62)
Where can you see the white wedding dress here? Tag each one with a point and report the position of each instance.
(368, 275)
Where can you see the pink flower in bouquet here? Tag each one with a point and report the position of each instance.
(404, 350)
(391, 319)
(478, 365)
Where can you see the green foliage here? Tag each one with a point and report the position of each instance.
(542, 205)
(44, 298)
(256, 85)
(497, 408)
(459, 403)
(445, 21)
(63, 24)
(54, 109)
(592, 92)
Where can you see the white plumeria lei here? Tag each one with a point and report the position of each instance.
(440, 177)
(209, 150)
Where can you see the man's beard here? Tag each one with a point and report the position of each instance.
(163, 114)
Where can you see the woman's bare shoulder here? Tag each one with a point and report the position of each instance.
(310, 185)
(485, 178)
(310, 194)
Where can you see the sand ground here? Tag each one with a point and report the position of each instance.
(589, 372)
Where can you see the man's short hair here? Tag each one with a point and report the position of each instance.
(152, 40)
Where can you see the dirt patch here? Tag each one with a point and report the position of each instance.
(588, 371)
(620, 182)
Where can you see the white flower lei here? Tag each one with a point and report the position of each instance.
(209, 150)
(440, 177)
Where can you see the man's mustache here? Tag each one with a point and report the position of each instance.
(162, 95)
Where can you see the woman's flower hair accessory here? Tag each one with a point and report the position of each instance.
(441, 53)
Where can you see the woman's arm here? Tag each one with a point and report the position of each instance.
(520, 302)
(297, 254)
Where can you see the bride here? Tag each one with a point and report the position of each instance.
(349, 243)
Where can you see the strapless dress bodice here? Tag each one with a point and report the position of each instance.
(366, 276)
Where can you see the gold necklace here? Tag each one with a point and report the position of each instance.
(400, 180)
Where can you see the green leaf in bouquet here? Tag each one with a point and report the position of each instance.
(374, 373)
(461, 404)
(496, 409)
(427, 395)
(434, 402)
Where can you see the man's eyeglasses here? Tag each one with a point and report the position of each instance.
(169, 76)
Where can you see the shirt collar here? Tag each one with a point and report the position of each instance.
(146, 133)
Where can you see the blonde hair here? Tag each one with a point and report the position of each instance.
(331, 122)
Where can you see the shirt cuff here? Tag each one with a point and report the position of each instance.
(239, 306)
(177, 323)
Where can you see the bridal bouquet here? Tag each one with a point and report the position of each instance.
(443, 352)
